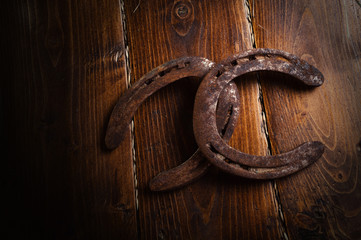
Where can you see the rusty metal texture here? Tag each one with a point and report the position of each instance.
(217, 151)
(123, 112)
(195, 167)
(156, 79)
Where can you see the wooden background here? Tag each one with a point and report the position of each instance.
(67, 63)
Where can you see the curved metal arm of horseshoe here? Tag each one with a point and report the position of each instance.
(127, 105)
(216, 110)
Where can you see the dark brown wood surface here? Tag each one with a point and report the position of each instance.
(217, 206)
(324, 201)
(67, 62)
(67, 69)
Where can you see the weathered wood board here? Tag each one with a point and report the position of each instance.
(67, 69)
(217, 206)
(324, 201)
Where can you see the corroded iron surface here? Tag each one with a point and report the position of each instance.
(218, 151)
(156, 79)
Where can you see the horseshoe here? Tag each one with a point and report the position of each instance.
(156, 79)
(159, 77)
(217, 151)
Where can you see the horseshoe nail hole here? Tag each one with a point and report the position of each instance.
(183, 65)
(234, 63)
(261, 57)
(242, 60)
(265, 56)
(251, 58)
(162, 73)
(149, 81)
(340, 176)
(280, 58)
(219, 73)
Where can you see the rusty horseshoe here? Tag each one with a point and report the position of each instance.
(156, 79)
(159, 77)
(218, 151)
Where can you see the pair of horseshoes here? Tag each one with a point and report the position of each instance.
(216, 111)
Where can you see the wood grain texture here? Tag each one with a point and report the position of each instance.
(66, 71)
(218, 206)
(324, 201)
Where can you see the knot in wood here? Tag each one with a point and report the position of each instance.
(182, 10)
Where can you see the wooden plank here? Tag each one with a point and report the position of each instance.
(217, 206)
(66, 71)
(324, 201)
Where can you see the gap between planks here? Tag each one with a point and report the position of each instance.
(132, 132)
(249, 16)
(282, 226)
